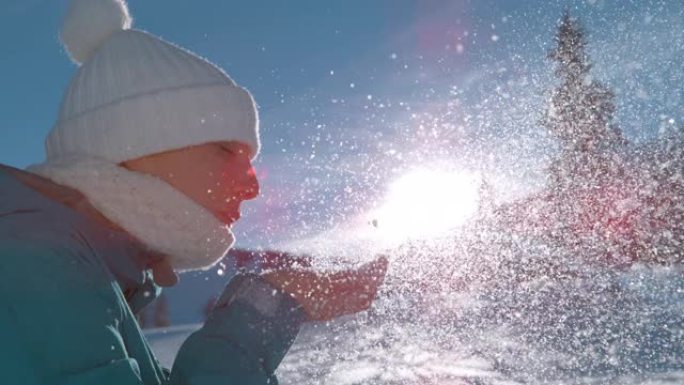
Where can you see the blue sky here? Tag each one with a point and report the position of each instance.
(354, 93)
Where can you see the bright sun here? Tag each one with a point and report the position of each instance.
(426, 203)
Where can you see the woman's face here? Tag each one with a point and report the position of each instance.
(218, 176)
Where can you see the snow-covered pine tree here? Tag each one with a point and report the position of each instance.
(580, 112)
(587, 176)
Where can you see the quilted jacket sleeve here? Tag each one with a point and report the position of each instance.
(244, 340)
(64, 322)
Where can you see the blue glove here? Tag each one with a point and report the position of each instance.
(246, 336)
(255, 313)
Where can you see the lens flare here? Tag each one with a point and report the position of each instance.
(425, 203)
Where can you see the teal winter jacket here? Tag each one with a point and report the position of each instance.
(70, 286)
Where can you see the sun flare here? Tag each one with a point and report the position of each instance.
(425, 203)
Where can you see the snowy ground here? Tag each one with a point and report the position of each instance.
(342, 355)
(350, 352)
(594, 337)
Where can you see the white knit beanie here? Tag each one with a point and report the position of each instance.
(135, 94)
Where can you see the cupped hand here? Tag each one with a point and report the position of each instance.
(325, 296)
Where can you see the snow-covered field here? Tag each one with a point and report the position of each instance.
(350, 351)
(624, 329)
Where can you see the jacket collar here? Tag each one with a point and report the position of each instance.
(125, 257)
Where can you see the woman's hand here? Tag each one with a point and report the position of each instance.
(325, 296)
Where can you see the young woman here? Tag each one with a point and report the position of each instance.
(145, 171)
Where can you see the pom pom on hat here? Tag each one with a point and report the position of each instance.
(89, 23)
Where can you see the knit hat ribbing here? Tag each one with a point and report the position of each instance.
(136, 95)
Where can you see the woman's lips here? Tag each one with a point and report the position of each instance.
(228, 217)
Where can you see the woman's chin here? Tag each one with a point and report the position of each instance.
(227, 218)
(163, 273)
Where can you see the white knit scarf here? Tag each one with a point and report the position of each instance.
(148, 208)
